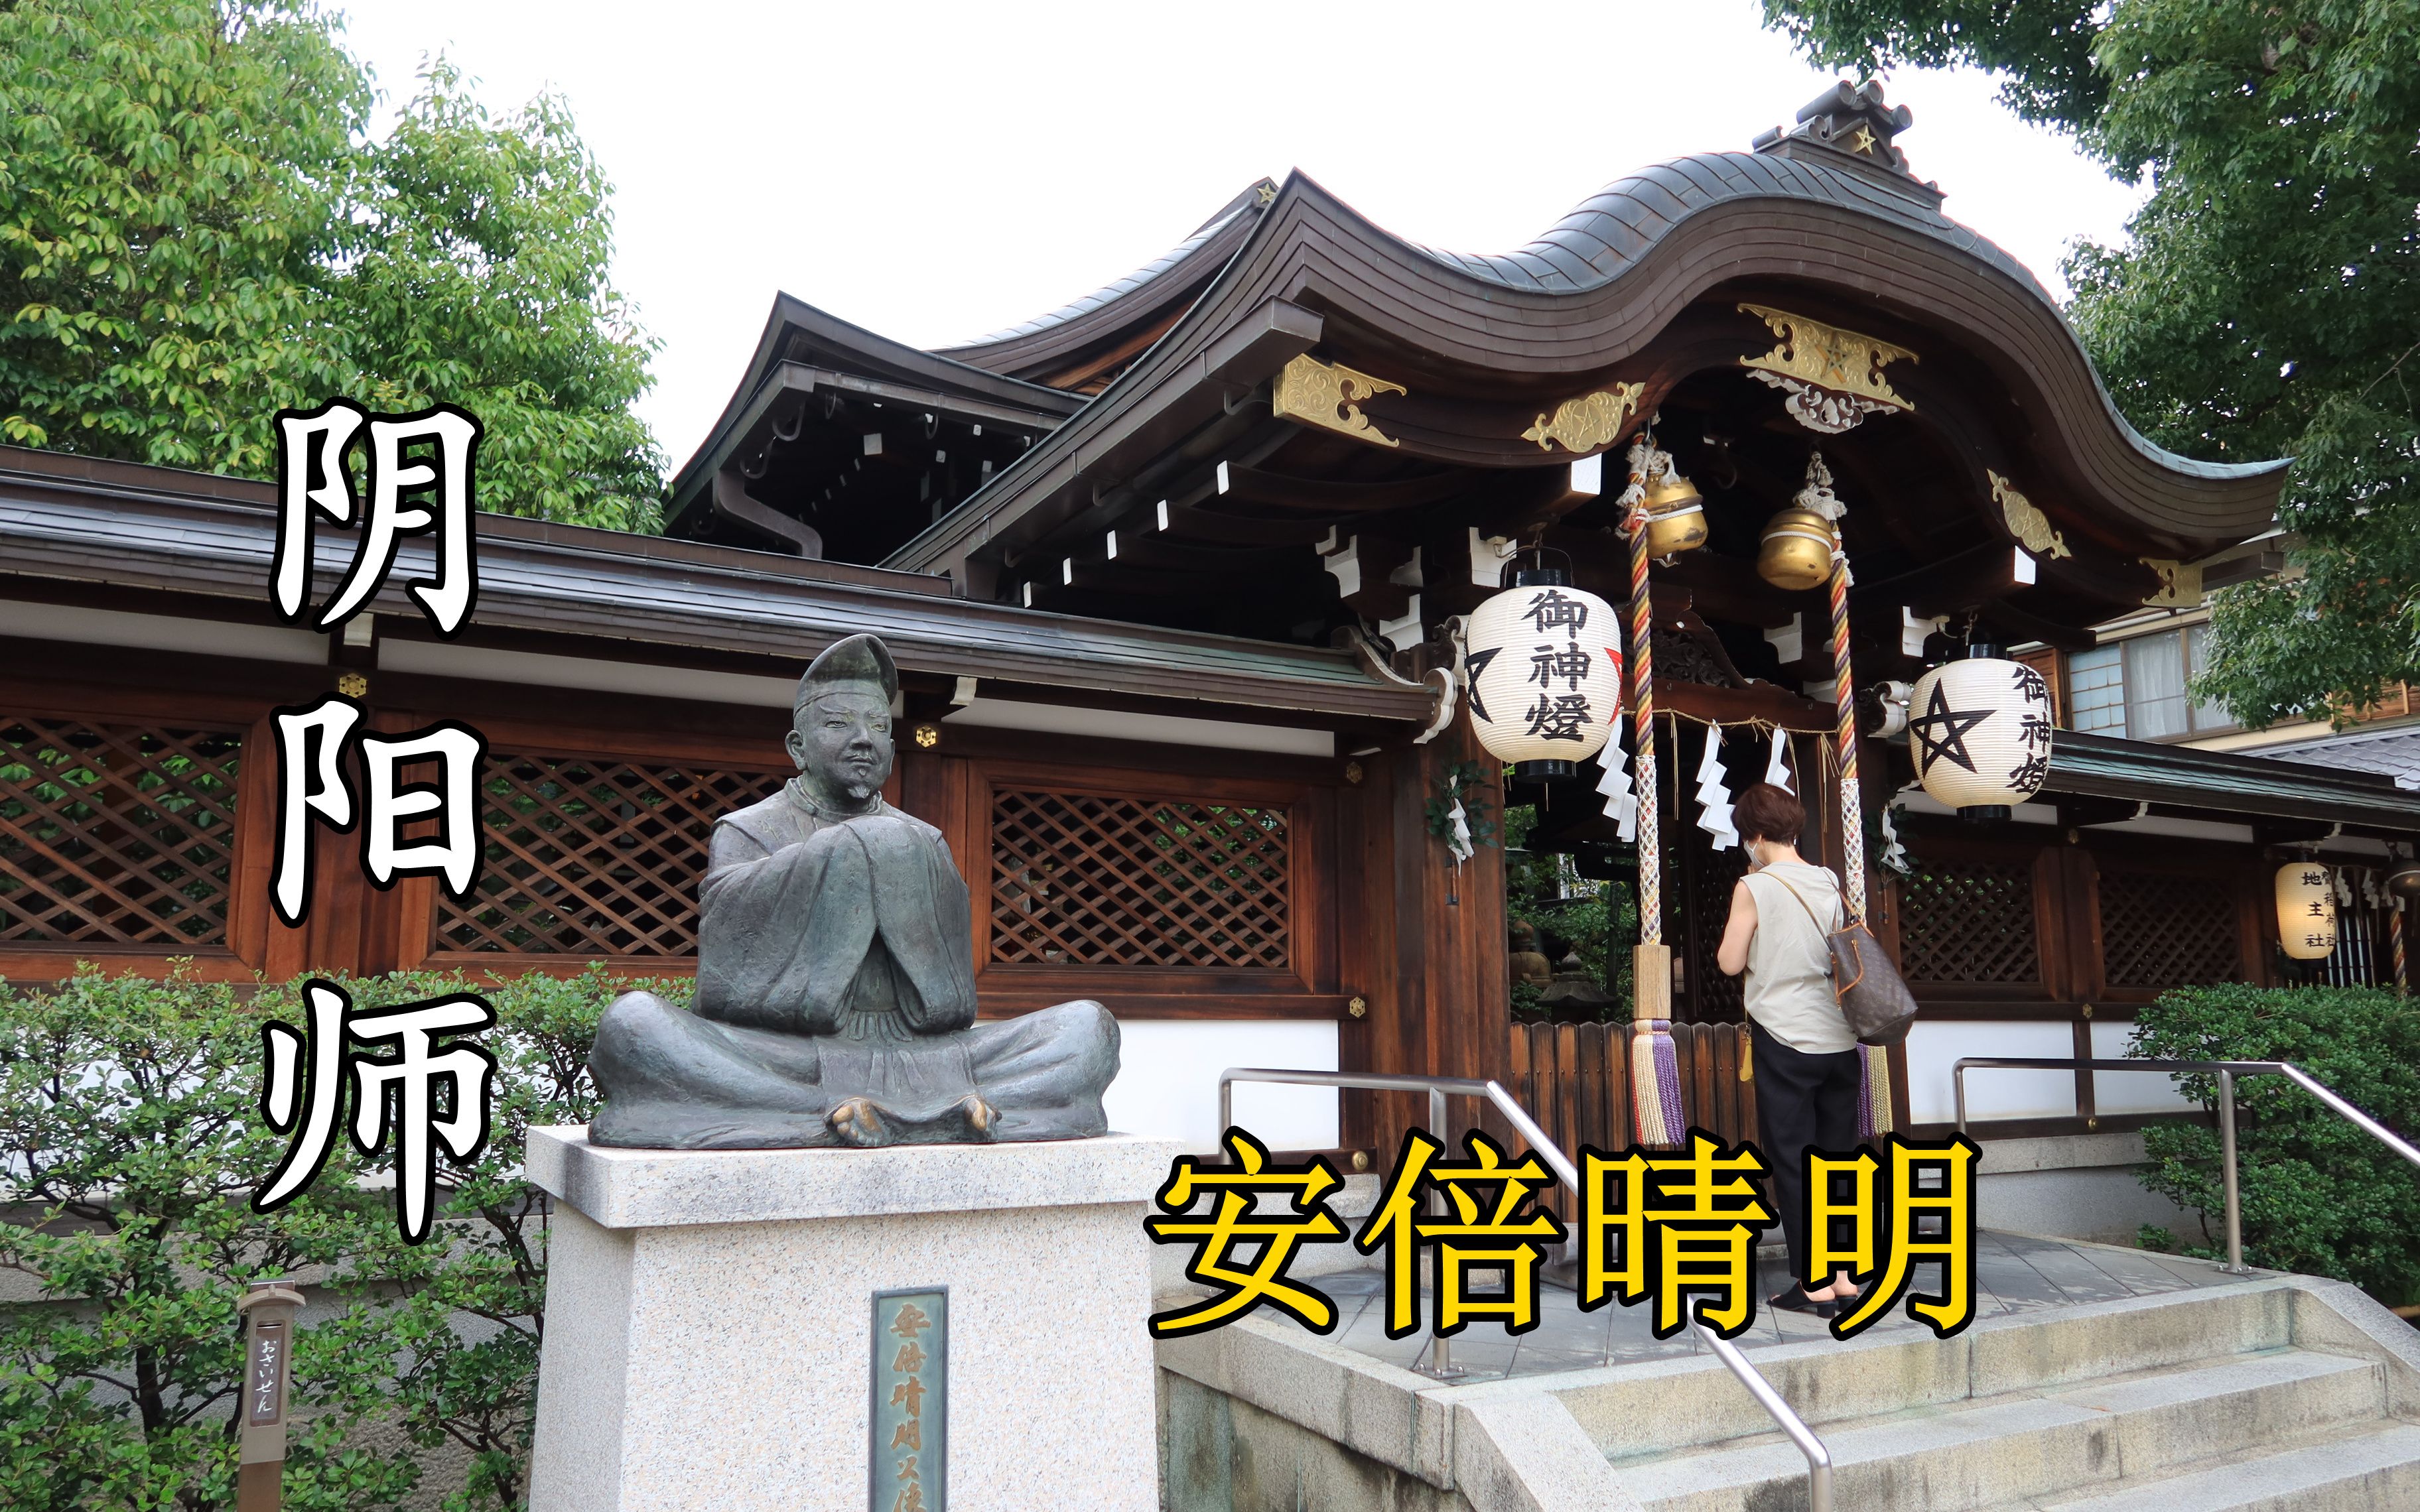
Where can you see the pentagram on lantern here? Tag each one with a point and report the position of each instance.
(1472, 666)
(1942, 732)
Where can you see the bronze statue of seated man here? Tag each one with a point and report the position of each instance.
(835, 976)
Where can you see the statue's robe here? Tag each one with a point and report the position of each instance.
(835, 961)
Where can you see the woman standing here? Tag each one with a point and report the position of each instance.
(1803, 1049)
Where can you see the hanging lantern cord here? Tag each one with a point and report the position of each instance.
(1852, 824)
(1642, 696)
(1537, 551)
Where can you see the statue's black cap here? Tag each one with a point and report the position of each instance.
(857, 664)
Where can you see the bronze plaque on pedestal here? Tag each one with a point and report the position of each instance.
(909, 1443)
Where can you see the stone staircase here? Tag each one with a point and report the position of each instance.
(2279, 1393)
(2131, 1439)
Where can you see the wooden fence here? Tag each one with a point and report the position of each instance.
(1574, 1080)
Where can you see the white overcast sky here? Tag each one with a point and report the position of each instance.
(935, 172)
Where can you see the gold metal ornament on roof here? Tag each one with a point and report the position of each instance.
(1330, 396)
(1833, 376)
(1589, 423)
(2180, 583)
(2025, 522)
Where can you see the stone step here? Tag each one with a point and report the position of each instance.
(1670, 1406)
(2027, 1444)
(2372, 1465)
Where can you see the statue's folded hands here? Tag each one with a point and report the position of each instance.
(835, 985)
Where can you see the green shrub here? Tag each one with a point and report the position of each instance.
(1597, 920)
(2318, 1195)
(130, 1142)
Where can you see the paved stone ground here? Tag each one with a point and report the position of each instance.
(2013, 1274)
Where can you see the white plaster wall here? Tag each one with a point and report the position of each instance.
(538, 670)
(1166, 729)
(162, 632)
(1168, 1080)
(1933, 1048)
(2131, 1091)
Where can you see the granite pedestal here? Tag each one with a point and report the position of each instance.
(708, 1322)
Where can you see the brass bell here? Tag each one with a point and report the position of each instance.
(1676, 515)
(1796, 550)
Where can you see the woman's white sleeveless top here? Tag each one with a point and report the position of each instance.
(1788, 987)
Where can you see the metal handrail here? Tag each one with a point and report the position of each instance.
(1818, 1459)
(2227, 1071)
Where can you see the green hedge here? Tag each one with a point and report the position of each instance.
(2318, 1195)
(130, 1141)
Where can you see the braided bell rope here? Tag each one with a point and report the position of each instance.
(2395, 943)
(1642, 698)
(1852, 816)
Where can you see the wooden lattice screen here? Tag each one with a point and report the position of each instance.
(115, 833)
(1079, 879)
(2168, 929)
(592, 857)
(1711, 996)
(1968, 921)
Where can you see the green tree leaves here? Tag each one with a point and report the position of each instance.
(2268, 302)
(2042, 47)
(196, 231)
(2318, 1195)
(130, 1141)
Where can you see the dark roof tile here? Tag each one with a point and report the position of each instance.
(1630, 214)
(2393, 753)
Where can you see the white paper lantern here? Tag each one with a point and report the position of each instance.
(2307, 911)
(1980, 731)
(1544, 661)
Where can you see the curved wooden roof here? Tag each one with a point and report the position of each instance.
(1478, 340)
(798, 333)
(772, 435)
(1084, 344)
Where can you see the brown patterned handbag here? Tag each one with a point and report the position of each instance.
(1871, 996)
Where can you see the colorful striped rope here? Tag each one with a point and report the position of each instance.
(1655, 1117)
(1642, 701)
(1853, 818)
(2395, 943)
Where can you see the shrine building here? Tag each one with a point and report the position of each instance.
(1180, 577)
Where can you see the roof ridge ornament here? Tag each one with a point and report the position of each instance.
(1330, 396)
(1848, 126)
(1833, 376)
